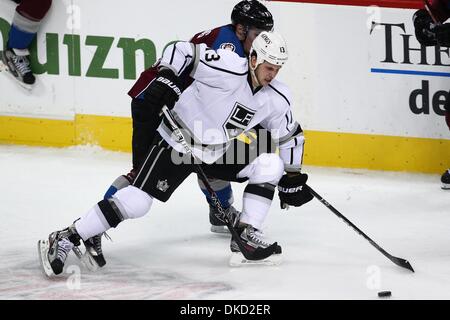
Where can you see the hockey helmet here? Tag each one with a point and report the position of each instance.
(270, 47)
(252, 13)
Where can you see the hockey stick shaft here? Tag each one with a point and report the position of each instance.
(215, 199)
(398, 261)
(427, 7)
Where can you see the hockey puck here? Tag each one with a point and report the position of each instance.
(384, 294)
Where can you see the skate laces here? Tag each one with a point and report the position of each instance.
(97, 242)
(64, 247)
(22, 64)
(256, 236)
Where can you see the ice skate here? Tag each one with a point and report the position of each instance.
(3, 67)
(217, 225)
(54, 251)
(253, 239)
(445, 179)
(16, 63)
(93, 257)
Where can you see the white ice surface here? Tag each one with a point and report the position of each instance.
(170, 253)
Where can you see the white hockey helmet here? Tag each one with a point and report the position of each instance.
(270, 47)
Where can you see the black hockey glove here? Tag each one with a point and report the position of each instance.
(164, 90)
(292, 190)
(424, 28)
(443, 34)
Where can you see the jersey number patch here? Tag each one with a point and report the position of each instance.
(211, 56)
(238, 120)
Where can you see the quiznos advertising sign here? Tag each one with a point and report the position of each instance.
(95, 66)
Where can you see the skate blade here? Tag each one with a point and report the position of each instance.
(89, 262)
(238, 260)
(220, 229)
(445, 186)
(43, 247)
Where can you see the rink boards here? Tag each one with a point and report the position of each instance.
(364, 91)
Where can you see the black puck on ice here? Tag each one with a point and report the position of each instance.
(384, 294)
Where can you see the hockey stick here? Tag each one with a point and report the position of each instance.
(259, 253)
(427, 7)
(398, 261)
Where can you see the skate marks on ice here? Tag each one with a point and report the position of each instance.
(21, 277)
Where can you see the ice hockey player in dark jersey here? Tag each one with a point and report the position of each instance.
(25, 24)
(230, 95)
(249, 18)
(431, 30)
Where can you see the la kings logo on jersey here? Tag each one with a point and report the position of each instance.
(238, 120)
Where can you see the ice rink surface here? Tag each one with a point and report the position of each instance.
(171, 254)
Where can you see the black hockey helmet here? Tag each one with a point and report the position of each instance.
(252, 13)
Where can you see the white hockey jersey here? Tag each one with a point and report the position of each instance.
(221, 104)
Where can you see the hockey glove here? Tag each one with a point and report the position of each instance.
(424, 28)
(443, 34)
(164, 90)
(292, 190)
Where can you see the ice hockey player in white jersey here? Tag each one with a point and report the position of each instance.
(230, 95)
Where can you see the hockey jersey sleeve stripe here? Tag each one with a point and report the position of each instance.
(287, 122)
(224, 70)
(297, 131)
(292, 157)
(292, 154)
(280, 94)
(178, 56)
(184, 64)
(173, 52)
(196, 59)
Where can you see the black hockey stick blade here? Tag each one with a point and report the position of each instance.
(401, 263)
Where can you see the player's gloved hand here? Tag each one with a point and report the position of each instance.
(164, 90)
(424, 28)
(443, 34)
(292, 190)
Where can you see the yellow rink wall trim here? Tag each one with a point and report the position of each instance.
(345, 150)
(113, 133)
